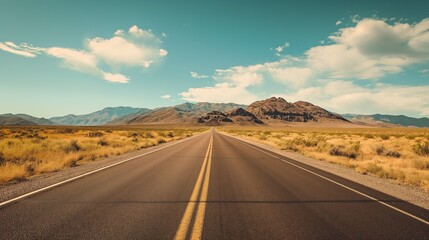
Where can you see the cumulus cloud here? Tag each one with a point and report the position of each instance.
(221, 92)
(197, 75)
(133, 48)
(292, 76)
(75, 59)
(346, 97)
(167, 96)
(84, 62)
(338, 22)
(138, 47)
(372, 49)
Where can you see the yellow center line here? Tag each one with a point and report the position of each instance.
(197, 230)
(187, 216)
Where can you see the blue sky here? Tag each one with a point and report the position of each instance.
(60, 57)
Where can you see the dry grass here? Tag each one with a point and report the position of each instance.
(401, 154)
(29, 151)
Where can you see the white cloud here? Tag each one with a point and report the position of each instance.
(240, 76)
(355, 18)
(141, 33)
(338, 22)
(75, 59)
(293, 76)
(345, 97)
(281, 48)
(115, 77)
(372, 49)
(138, 48)
(84, 62)
(163, 52)
(221, 92)
(197, 75)
(167, 96)
(119, 32)
(13, 48)
(135, 48)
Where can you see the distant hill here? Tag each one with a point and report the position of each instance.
(383, 120)
(279, 109)
(234, 116)
(276, 112)
(13, 120)
(100, 117)
(38, 121)
(186, 113)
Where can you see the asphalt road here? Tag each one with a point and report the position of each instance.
(212, 187)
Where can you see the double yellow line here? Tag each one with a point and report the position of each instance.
(204, 175)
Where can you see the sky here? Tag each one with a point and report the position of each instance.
(362, 57)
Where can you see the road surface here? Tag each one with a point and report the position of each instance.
(212, 187)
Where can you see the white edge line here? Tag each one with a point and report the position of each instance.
(339, 184)
(91, 172)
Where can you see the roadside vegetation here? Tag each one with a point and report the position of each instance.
(400, 154)
(29, 151)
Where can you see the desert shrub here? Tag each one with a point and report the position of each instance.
(368, 135)
(384, 136)
(379, 150)
(410, 136)
(262, 137)
(393, 154)
(421, 164)
(161, 140)
(66, 130)
(374, 168)
(351, 151)
(73, 163)
(308, 142)
(103, 142)
(266, 133)
(72, 147)
(30, 169)
(288, 145)
(148, 135)
(170, 134)
(421, 148)
(94, 134)
(2, 159)
(133, 134)
(323, 146)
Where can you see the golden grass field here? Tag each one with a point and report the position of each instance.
(29, 151)
(401, 154)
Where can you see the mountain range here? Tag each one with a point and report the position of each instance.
(271, 112)
(383, 120)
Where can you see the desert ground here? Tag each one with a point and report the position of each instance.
(401, 154)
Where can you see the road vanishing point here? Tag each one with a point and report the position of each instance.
(211, 186)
